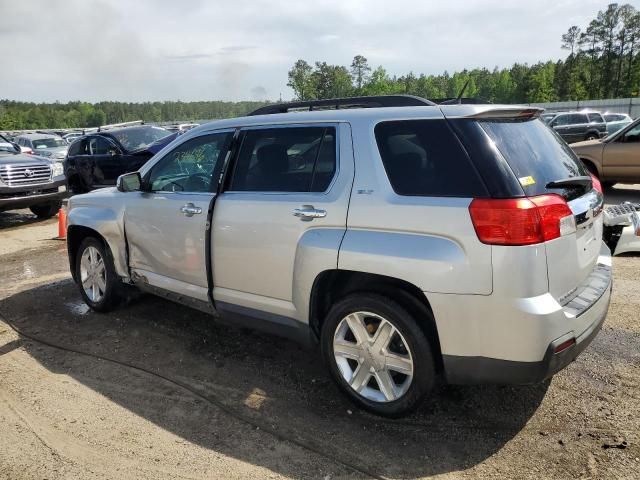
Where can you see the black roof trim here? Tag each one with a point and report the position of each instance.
(343, 103)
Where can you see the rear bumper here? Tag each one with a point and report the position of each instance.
(510, 340)
(477, 370)
(12, 198)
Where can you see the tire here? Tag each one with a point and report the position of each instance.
(107, 291)
(408, 348)
(591, 136)
(46, 211)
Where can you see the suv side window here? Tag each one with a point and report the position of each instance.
(77, 148)
(577, 119)
(425, 158)
(595, 118)
(193, 166)
(289, 159)
(100, 146)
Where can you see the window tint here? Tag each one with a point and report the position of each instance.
(100, 146)
(291, 159)
(632, 135)
(536, 154)
(77, 148)
(561, 120)
(614, 118)
(577, 118)
(135, 138)
(424, 158)
(193, 166)
(595, 118)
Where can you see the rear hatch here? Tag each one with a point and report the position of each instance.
(544, 164)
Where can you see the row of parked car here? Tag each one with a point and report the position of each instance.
(38, 170)
(585, 124)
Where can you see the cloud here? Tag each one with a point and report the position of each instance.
(201, 50)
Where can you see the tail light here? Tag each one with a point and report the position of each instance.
(521, 221)
(595, 181)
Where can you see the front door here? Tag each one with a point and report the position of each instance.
(621, 158)
(289, 190)
(166, 225)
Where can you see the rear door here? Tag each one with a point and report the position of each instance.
(537, 157)
(621, 157)
(288, 189)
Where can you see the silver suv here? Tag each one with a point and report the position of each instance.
(409, 240)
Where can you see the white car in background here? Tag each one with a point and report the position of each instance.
(616, 121)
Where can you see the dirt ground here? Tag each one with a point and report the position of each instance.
(155, 390)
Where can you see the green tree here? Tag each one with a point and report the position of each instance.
(360, 70)
(301, 80)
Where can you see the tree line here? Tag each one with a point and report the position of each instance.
(602, 62)
(27, 116)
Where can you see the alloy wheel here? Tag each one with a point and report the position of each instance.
(93, 274)
(373, 357)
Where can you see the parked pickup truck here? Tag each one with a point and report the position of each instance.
(409, 240)
(28, 181)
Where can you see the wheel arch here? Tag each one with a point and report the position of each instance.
(103, 224)
(332, 285)
(591, 166)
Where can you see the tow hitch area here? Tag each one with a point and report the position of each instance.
(622, 228)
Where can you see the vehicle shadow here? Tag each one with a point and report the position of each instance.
(260, 381)
(19, 218)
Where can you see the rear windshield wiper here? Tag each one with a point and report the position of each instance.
(582, 181)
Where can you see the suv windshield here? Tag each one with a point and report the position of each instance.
(6, 145)
(139, 137)
(535, 153)
(40, 143)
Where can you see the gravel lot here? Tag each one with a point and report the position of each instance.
(156, 390)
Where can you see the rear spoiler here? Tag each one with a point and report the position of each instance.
(508, 114)
(491, 112)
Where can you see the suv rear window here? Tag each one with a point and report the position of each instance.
(535, 153)
(425, 158)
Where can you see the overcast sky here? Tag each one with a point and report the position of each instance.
(142, 50)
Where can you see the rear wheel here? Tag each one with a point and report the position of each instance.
(46, 211)
(96, 276)
(377, 354)
(591, 136)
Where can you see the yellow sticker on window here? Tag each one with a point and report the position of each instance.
(526, 181)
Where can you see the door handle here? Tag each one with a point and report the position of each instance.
(190, 210)
(308, 212)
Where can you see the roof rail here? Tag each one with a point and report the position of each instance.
(343, 103)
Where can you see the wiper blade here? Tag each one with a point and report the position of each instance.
(582, 181)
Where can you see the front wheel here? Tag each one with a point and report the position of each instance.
(591, 136)
(377, 354)
(96, 276)
(46, 211)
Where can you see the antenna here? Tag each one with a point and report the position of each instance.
(459, 97)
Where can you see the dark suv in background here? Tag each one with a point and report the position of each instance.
(579, 126)
(98, 159)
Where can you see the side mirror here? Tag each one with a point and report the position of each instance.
(129, 182)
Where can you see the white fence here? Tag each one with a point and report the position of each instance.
(630, 106)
